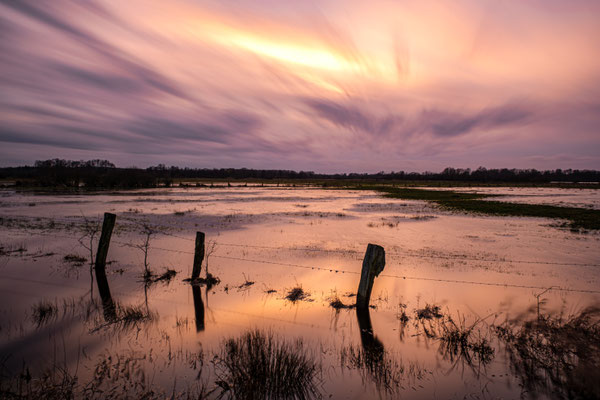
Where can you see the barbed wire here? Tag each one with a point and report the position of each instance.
(406, 254)
(337, 270)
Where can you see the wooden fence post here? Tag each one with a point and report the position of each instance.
(198, 255)
(373, 264)
(107, 228)
(107, 301)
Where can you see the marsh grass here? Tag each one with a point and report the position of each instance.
(579, 218)
(43, 312)
(430, 311)
(401, 314)
(259, 365)
(386, 372)
(246, 284)
(46, 311)
(74, 259)
(56, 383)
(336, 303)
(458, 341)
(557, 355)
(126, 318)
(296, 294)
(212, 280)
(6, 250)
(119, 376)
(165, 277)
(464, 342)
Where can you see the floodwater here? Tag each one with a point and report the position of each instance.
(561, 197)
(446, 275)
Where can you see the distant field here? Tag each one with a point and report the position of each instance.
(579, 218)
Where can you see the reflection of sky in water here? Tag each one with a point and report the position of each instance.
(275, 237)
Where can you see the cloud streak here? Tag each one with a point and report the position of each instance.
(411, 85)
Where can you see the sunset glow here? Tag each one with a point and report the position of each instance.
(334, 86)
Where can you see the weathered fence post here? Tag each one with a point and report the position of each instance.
(198, 255)
(373, 264)
(107, 301)
(107, 228)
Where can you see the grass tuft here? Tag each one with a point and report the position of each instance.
(43, 312)
(258, 365)
(75, 259)
(429, 312)
(296, 294)
(338, 304)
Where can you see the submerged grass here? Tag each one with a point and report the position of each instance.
(258, 365)
(338, 304)
(75, 259)
(126, 318)
(43, 312)
(165, 277)
(296, 294)
(429, 312)
(388, 374)
(556, 355)
(459, 340)
(579, 218)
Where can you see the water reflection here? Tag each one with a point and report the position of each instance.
(375, 364)
(556, 355)
(110, 313)
(198, 307)
(373, 348)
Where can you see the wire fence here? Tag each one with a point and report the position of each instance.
(344, 251)
(159, 229)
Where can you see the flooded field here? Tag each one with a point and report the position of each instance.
(466, 307)
(583, 198)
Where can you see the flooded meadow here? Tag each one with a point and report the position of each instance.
(467, 306)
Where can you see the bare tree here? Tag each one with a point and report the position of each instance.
(89, 230)
(147, 231)
(211, 247)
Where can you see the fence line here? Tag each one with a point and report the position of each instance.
(309, 249)
(458, 281)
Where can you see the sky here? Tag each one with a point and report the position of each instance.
(325, 86)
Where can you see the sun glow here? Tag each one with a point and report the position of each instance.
(314, 58)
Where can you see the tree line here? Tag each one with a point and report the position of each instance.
(104, 174)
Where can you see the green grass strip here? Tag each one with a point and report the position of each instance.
(579, 218)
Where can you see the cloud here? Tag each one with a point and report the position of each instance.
(50, 13)
(222, 127)
(145, 79)
(110, 82)
(449, 124)
(352, 117)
